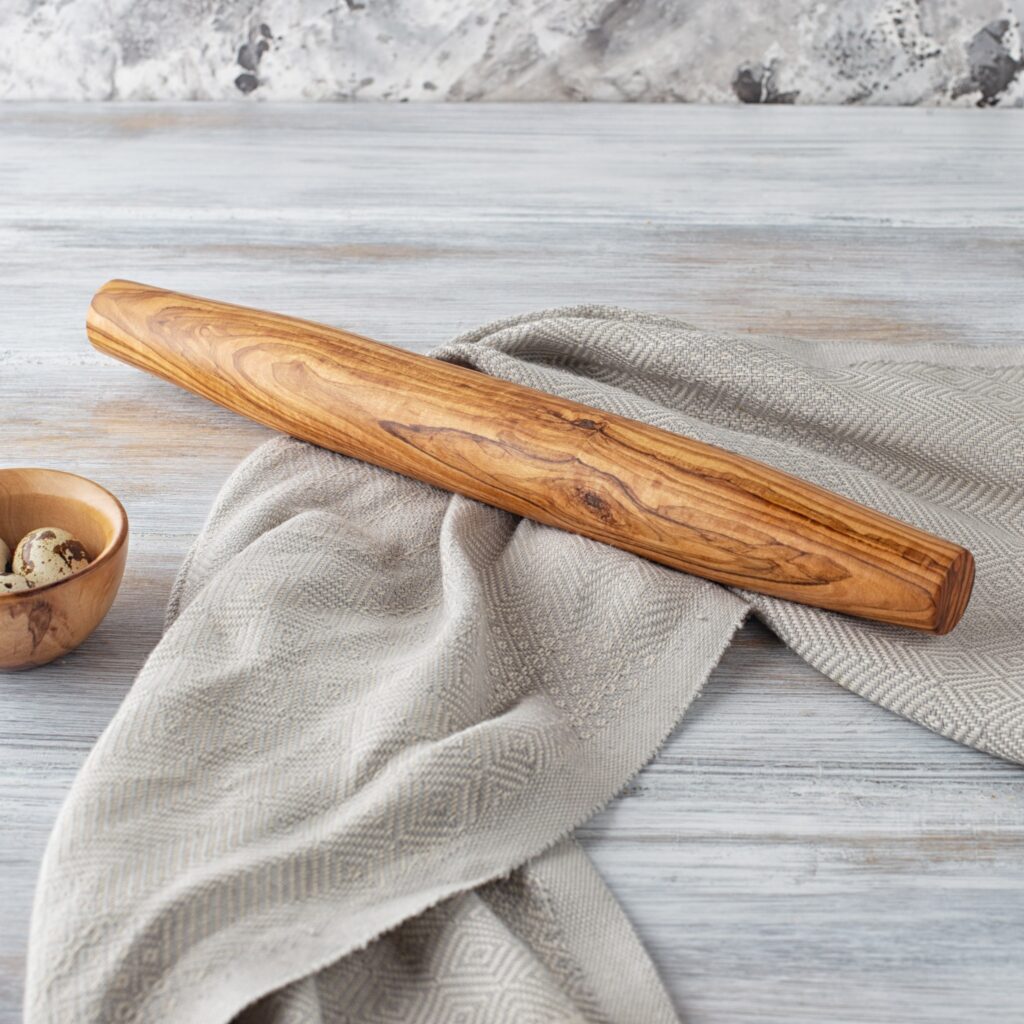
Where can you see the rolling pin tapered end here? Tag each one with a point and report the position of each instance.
(955, 592)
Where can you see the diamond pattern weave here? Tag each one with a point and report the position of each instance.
(341, 788)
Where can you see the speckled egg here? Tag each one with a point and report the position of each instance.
(12, 583)
(48, 554)
(5, 556)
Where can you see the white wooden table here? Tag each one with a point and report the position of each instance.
(794, 854)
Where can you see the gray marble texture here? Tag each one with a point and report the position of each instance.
(933, 52)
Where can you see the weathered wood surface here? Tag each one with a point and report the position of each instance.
(794, 854)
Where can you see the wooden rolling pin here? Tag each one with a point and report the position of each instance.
(680, 502)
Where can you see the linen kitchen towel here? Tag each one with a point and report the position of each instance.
(344, 784)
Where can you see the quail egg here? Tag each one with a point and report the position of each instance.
(12, 582)
(5, 556)
(47, 555)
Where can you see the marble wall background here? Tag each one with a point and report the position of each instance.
(939, 52)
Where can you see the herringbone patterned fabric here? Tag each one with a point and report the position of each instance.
(341, 787)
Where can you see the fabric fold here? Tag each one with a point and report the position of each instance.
(343, 785)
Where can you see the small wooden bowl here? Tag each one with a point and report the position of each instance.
(39, 625)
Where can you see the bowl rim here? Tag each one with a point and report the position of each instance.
(109, 552)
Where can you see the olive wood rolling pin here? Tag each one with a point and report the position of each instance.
(677, 501)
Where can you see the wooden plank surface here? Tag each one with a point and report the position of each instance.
(794, 853)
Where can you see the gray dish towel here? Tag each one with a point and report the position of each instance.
(343, 786)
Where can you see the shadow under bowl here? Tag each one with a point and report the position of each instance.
(41, 624)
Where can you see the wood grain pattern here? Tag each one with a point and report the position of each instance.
(42, 624)
(793, 854)
(686, 504)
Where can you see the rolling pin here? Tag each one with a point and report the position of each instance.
(677, 501)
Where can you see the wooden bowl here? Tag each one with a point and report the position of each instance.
(39, 625)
